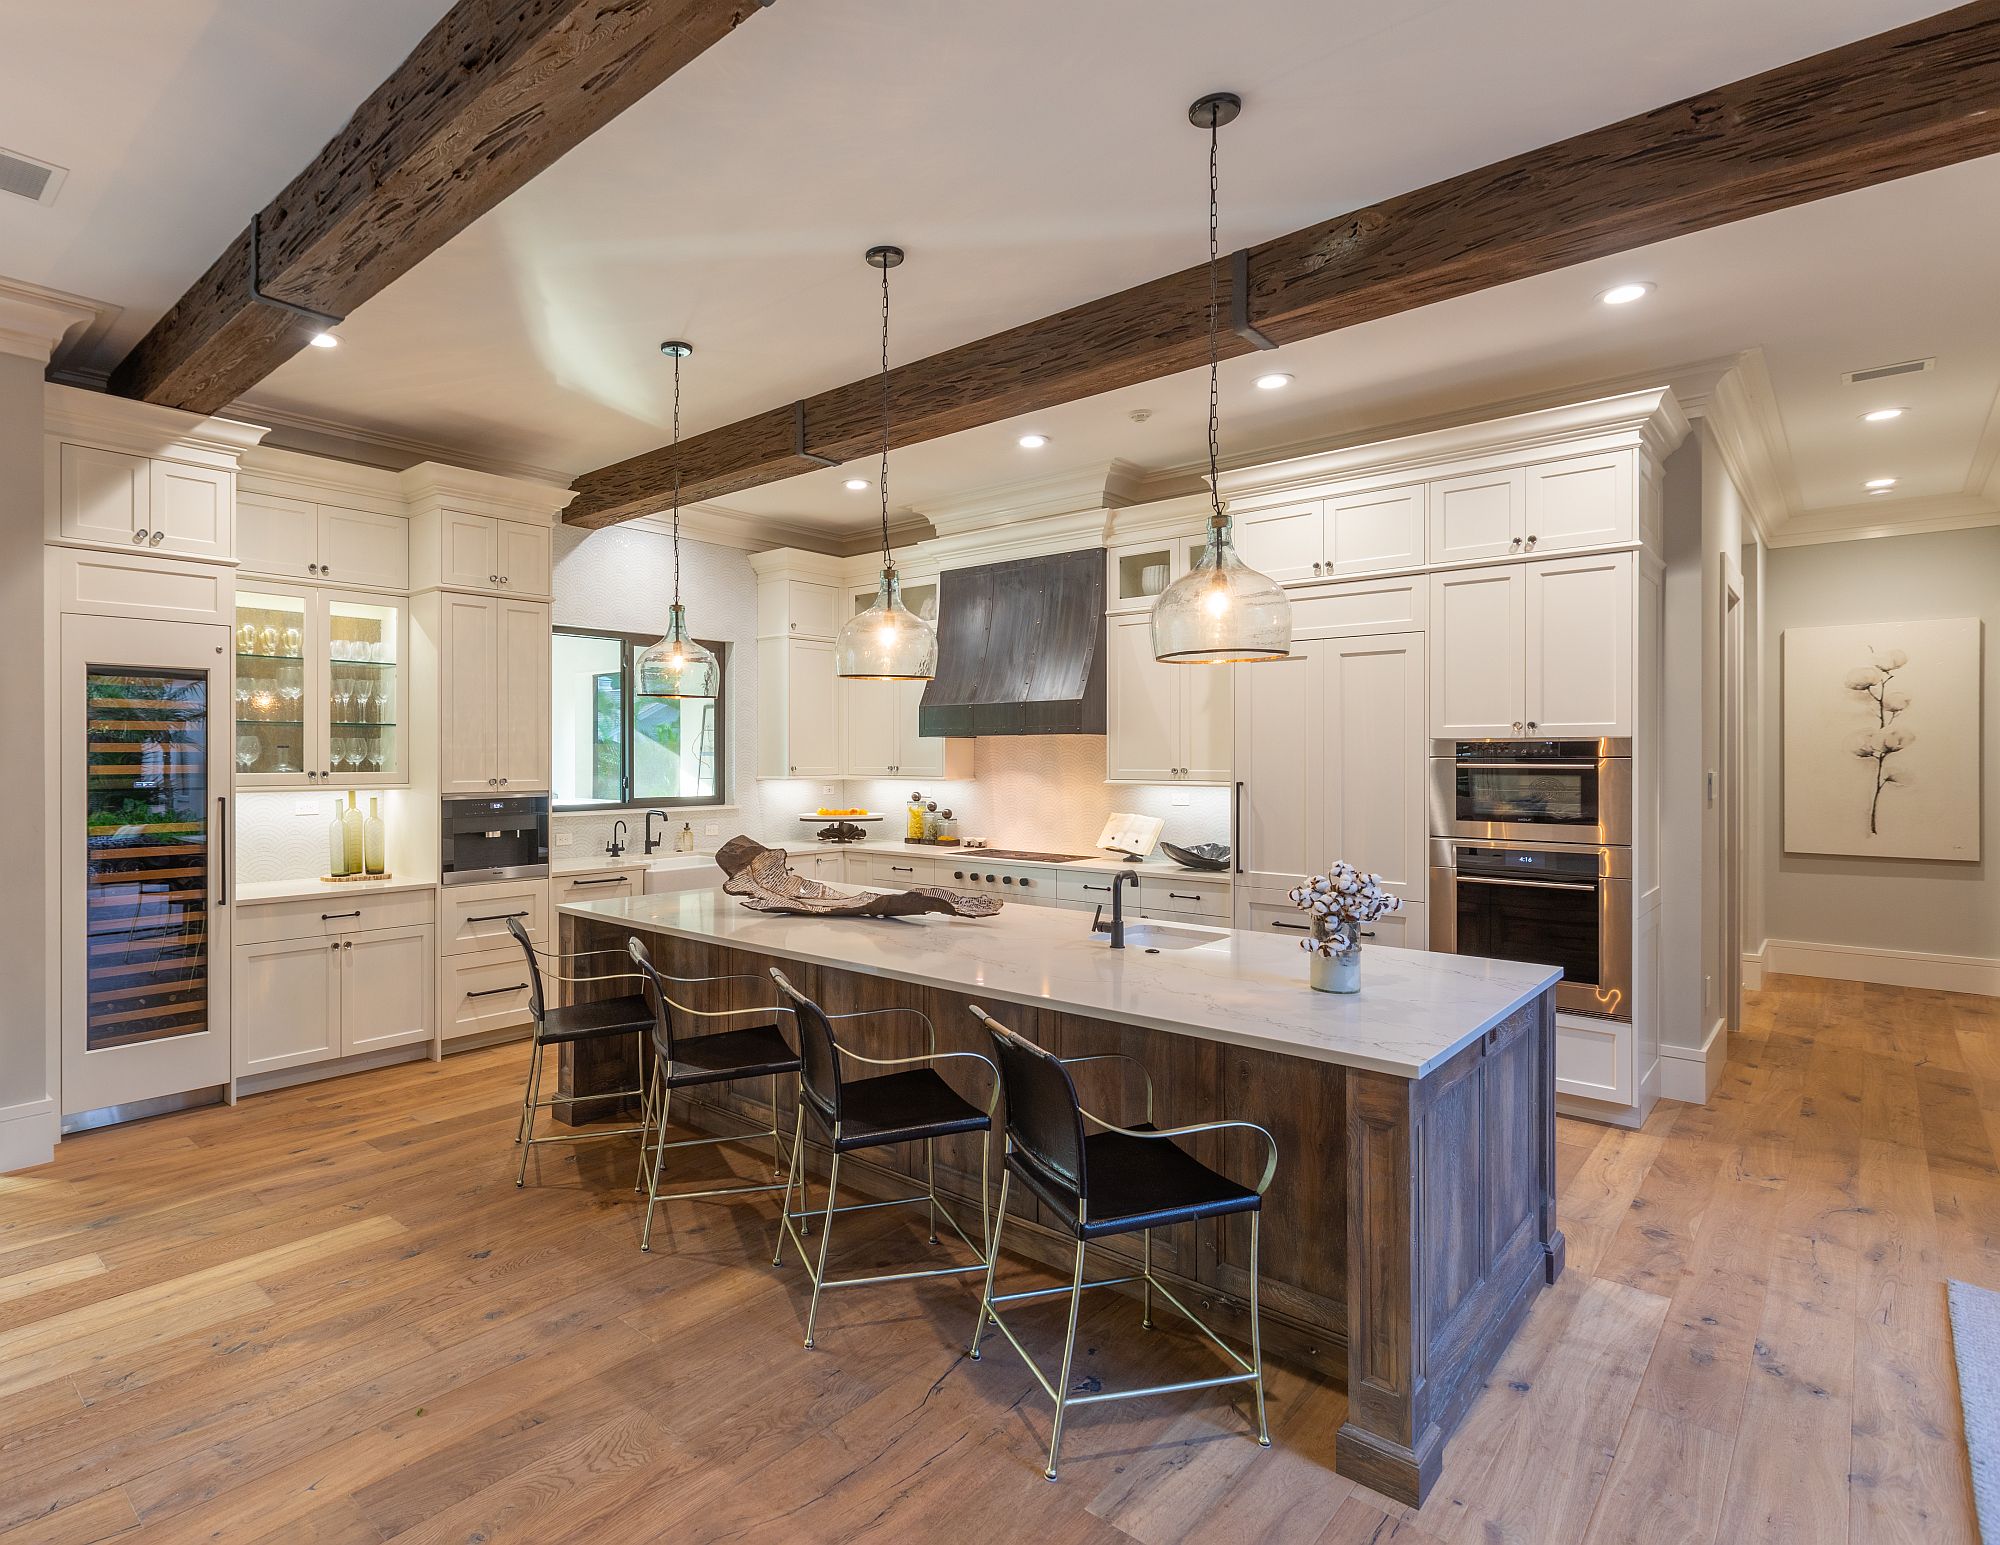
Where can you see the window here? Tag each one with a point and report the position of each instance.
(612, 748)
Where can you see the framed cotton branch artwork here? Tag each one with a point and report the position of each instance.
(1882, 738)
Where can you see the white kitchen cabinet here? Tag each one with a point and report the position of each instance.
(1136, 572)
(802, 608)
(597, 885)
(1480, 515)
(483, 993)
(828, 868)
(494, 679)
(1478, 687)
(456, 549)
(1594, 1059)
(879, 738)
(1287, 542)
(798, 701)
(314, 998)
(1165, 723)
(1273, 912)
(1578, 657)
(474, 918)
(285, 538)
(287, 1004)
(163, 506)
(321, 687)
(1332, 756)
(1580, 502)
(1541, 648)
(277, 537)
(1374, 532)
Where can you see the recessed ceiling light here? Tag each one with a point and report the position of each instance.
(1876, 493)
(1033, 442)
(1625, 294)
(1882, 415)
(325, 341)
(1880, 482)
(854, 485)
(1275, 381)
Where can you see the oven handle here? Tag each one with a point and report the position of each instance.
(1529, 766)
(1532, 885)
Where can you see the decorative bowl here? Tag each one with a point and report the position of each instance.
(1203, 855)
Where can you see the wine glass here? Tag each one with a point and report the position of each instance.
(246, 637)
(294, 642)
(363, 692)
(267, 639)
(291, 685)
(376, 756)
(248, 749)
(356, 749)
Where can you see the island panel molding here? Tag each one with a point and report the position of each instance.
(1920, 97)
(1411, 1221)
(490, 97)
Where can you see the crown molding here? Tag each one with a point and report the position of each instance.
(378, 448)
(1905, 517)
(290, 474)
(432, 485)
(1742, 421)
(1109, 487)
(720, 526)
(1982, 478)
(1652, 417)
(34, 319)
(144, 428)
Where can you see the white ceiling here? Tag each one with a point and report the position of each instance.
(1029, 156)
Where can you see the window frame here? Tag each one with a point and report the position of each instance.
(630, 646)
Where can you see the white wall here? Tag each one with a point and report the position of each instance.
(1905, 905)
(28, 1069)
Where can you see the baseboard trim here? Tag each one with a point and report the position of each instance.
(28, 1136)
(1889, 968)
(1692, 1073)
(1753, 967)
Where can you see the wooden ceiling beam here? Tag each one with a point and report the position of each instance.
(1923, 96)
(494, 93)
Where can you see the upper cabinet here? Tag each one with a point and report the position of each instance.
(1364, 531)
(1139, 571)
(113, 498)
(456, 550)
(493, 692)
(1166, 723)
(1541, 648)
(286, 538)
(321, 687)
(1566, 505)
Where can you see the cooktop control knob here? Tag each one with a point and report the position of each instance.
(1007, 879)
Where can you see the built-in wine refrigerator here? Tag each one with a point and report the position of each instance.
(144, 865)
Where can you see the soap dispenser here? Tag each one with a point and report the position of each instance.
(684, 838)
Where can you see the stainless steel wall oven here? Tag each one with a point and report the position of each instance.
(493, 839)
(1569, 791)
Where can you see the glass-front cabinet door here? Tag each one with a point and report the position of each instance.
(320, 681)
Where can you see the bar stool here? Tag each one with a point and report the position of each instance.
(604, 1020)
(1119, 1180)
(913, 1106)
(684, 1061)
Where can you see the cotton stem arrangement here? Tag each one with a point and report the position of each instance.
(1338, 904)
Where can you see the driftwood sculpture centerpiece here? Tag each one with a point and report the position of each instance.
(763, 879)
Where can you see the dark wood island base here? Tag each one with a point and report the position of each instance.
(1410, 1226)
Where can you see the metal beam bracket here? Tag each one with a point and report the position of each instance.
(324, 318)
(799, 439)
(1239, 300)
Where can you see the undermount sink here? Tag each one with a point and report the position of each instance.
(1161, 936)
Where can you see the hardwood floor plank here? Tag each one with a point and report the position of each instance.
(1665, 1486)
(105, 1516)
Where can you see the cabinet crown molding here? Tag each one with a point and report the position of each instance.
(34, 321)
(1108, 487)
(269, 469)
(1652, 418)
(431, 485)
(142, 428)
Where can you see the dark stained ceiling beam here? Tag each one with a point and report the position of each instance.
(1923, 96)
(494, 93)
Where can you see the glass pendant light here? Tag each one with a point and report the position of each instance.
(1222, 611)
(677, 666)
(888, 641)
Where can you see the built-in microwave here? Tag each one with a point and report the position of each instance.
(1547, 905)
(493, 839)
(1571, 791)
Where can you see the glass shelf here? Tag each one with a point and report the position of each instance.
(273, 724)
(380, 665)
(290, 659)
(364, 724)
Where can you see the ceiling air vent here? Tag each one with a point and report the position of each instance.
(1909, 367)
(31, 179)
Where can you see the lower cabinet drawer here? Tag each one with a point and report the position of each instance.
(259, 922)
(899, 873)
(1594, 1058)
(598, 887)
(1181, 895)
(484, 992)
(1273, 912)
(476, 916)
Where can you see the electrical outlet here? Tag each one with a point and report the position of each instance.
(714, 829)
(1180, 797)
(826, 791)
(565, 839)
(305, 807)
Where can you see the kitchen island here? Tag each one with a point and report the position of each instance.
(1412, 1220)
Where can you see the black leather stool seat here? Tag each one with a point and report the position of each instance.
(755, 1051)
(1137, 1183)
(588, 1021)
(904, 1107)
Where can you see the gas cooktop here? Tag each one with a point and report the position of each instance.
(1028, 858)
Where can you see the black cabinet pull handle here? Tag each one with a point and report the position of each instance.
(1178, 896)
(1097, 887)
(1236, 821)
(901, 869)
(609, 879)
(222, 850)
(327, 917)
(1294, 927)
(495, 917)
(1367, 933)
(494, 992)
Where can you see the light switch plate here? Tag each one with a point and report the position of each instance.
(305, 807)
(1180, 797)
(565, 839)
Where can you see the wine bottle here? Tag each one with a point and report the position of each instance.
(336, 844)
(375, 839)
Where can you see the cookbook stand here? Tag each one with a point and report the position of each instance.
(1131, 837)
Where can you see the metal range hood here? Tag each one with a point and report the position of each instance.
(1020, 649)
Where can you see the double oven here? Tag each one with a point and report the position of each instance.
(1531, 860)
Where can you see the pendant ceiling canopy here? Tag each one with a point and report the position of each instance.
(887, 641)
(677, 666)
(1222, 611)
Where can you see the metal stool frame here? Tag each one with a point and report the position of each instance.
(816, 1272)
(1252, 1370)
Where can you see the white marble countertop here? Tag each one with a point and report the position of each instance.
(1413, 1012)
(295, 890)
(1159, 865)
(599, 862)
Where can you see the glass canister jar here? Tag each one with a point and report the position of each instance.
(914, 828)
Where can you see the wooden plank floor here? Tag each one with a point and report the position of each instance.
(328, 1315)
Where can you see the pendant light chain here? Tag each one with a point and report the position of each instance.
(1214, 311)
(677, 479)
(883, 479)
